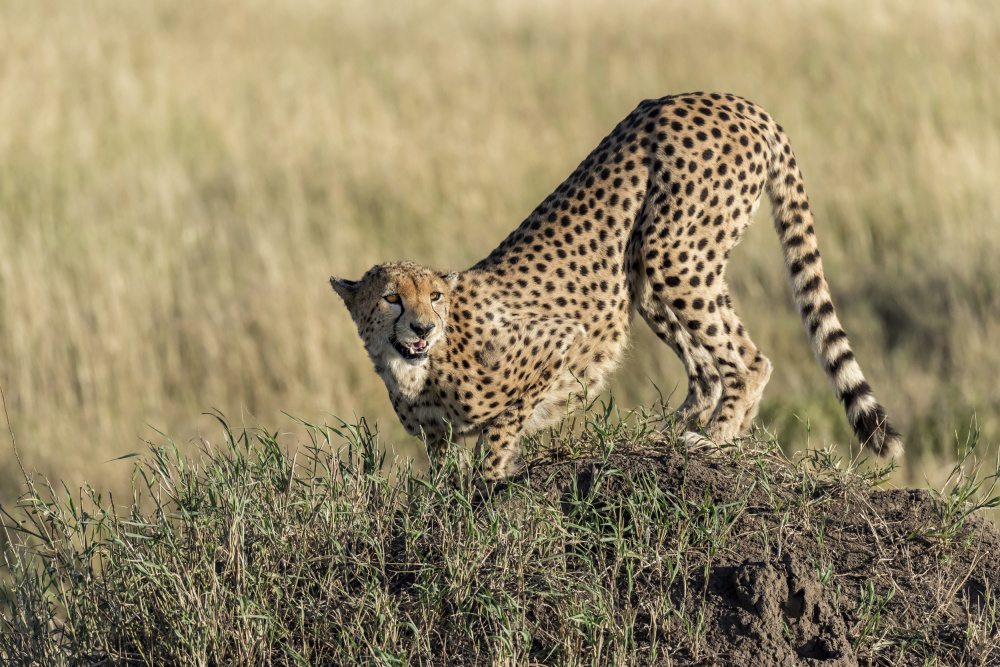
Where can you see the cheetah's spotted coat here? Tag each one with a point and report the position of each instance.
(646, 224)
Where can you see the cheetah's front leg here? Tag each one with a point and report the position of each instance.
(538, 354)
(437, 450)
(502, 442)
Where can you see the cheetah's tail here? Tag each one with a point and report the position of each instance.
(793, 221)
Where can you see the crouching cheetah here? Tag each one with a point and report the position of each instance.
(645, 223)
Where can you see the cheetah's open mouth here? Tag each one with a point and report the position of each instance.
(414, 350)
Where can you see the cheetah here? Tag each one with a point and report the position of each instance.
(645, 223)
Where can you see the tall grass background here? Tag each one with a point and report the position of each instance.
(178, 180)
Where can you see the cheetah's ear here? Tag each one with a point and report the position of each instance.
(347, 289)
(450, 278)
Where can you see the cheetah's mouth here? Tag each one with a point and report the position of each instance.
(411, 351)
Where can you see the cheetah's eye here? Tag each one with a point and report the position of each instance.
(392, 298)
(436, 296)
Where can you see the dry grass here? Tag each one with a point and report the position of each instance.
(178, 180)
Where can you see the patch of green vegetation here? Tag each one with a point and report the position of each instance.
(616, 547)
(165, 237)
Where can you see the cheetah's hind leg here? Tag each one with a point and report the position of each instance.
(704, 383)
(745, 372)
(726, 372)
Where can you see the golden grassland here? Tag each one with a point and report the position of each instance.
(178, 180)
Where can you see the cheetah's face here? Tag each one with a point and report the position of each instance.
(400, 309)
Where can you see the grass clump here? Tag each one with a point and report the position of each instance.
(178, 181)
(616, 546)
(249, 556)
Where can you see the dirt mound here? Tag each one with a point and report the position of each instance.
(806, 569)
(762, 601)
(648, 553)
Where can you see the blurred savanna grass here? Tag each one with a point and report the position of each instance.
(178, 180)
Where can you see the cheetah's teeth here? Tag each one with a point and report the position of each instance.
(415, 350)
(419, 347)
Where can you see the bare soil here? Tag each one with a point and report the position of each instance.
(765, 605)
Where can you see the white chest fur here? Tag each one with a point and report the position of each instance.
(402, 377)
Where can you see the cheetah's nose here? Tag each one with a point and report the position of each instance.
(422, 329)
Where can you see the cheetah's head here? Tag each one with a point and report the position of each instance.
(400, 309)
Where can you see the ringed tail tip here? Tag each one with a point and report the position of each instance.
(876, 433)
